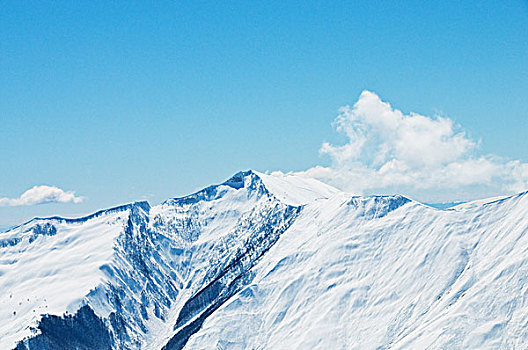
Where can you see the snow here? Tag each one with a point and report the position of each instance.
(295, 190)
(51, 273)
(277, 261)
(477, 203)
(413, 278)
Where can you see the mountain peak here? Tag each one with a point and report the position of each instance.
(289, 188)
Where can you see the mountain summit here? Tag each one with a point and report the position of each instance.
(269, 262)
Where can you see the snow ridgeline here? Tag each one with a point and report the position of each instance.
(269, 262)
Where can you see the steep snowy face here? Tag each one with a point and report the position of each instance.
(385, 272)
(269, 262)
(218, 234)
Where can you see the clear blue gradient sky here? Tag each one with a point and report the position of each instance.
(123, 101)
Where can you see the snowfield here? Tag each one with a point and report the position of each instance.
(270, 262)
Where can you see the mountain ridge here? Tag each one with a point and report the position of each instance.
(178, 274)
(146, 203)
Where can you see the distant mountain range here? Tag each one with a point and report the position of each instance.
(270, 262)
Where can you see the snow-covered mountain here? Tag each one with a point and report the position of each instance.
(270, 262)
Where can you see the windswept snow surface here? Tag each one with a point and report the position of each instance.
(296, 190)
(270, 262)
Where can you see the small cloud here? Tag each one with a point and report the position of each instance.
(430, 158)
(41, 195)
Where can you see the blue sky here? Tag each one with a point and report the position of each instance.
(123, 101)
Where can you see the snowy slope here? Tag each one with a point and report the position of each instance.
(295, 190)
(269, 262)
(385, 272)
(49, 265)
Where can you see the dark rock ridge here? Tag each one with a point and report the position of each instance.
(82, 331)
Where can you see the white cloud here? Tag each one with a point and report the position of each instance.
(41, 195)
(427, 157)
